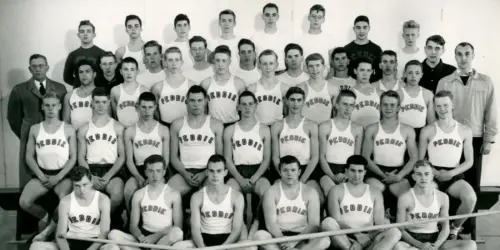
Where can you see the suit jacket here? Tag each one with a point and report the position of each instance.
(24, 110)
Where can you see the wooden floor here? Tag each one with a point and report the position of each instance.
(488, 230)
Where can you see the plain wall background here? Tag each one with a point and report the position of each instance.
(49, 27)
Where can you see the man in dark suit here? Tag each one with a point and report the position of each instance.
(24, 108)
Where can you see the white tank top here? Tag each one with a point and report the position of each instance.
(318, 104)
(396, 87)
(420, 212)
(196, 145)
(293, 81)
(248, 76)
(125, 107)
(216, 218)
(81, 109)
(199, 75)
(52, 150)
(222, 100)
(248, 147)
(445, 149)
(101, 143)
(138, 56)
(269, 104)
(294, 141)
(172, 102)
(291, 215)
(146, 144)
(356, 212)
(389, 149)
(340, 144)
(84, 221)
(148, 79)
(413, 110)
(343, 83)
(366, 111)
(155, 214)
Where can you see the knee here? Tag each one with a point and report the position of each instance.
(329, 224)
(38, 246)
(469, 245)
(176, 234)
(469, 198)
(262, 235)
(399, 246)
(115, 235)
(394, 234)
(110, 247)
(115, 192)
(25, 202)
(324, 243)
(183, 244)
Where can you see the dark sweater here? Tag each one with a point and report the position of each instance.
(101, 81)
(431, 76)
(93, 53)
(369, 50)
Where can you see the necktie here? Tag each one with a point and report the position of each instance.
(42, 89)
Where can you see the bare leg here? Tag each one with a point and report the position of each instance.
(386, 240)
(264, 235)
(130, 187)
(326, 184)
(117, 235)
(463, 191)
(174, 235)
(178, 183)
(339, 241)
(33, 190)
(115, 191)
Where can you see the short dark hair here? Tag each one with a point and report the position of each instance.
(392, 94)
(247, 93)
(389, 53)
(130, 60)
(227, 12)
(346, 93)
(217, 158)
(107, 54)
(363, 59)
(85, 23)
(147, 97)
(465, 44)
(338, 50)
(291, 46)
(152, 43)
(154, 159)
(269, 6)
(443, 93)
(268, 52)
(356, 160)
(100, 91)
(195, 39)
(315, 57)
(437, 39)
(317, 8)
(78, 172)
(222, 49)
(133, 17)
(195, 89)
(85, 61)
(362, 18)
(413, 63)
(247, 42)
(289, 159)
(295, 90)
(36, 56)
(181, 17)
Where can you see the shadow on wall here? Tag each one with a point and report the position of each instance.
(71, 41)
(57, 73)
(168, 34)
(14, 77)
(259, 23)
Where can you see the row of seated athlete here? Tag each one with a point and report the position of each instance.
(288, 208)
(250, 147)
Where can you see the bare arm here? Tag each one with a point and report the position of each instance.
(177, 209)
(401, 216)
(115, 95)
(275, 143)
(253, 87)
(218, 129)
(239, 205)
(228, 153)
(196, 201)
(313, 211)
(82, 146)
(62, 224)
(67, 108)
(121, 153)
(411, 147)
(120, 52)
(70, 163)
(468, 153)
(265, 134)
(270, 217)
(135, 213)
(423, 141)
(367, 151)
(205, 83)
(105, 220)
(240, 85)
(174, 146)
(313, 162)
(358, 138)
(445, 225)
(129, 150)
(324, 132)
(31, 153)
(378, 207)
(431, 115)
(334, 203)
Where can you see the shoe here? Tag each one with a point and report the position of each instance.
(454, 232)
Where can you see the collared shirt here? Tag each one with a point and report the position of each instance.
(431, 76)
(473, 103)
(44, 83)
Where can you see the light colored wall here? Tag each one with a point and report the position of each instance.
(49, 27)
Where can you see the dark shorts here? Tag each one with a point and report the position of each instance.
(289, 233)
(445, 185)
(384, 169)
(214, 239)
(229, 124)
(424, 237)
(145, 232)
(417, 133)
(100, 170)
(165, 123)
(195, 170)
(247, 171)
(337, 168)
(142, 171)
(49, 172)
(79, 244)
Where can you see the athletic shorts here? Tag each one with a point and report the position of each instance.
(424, 237)
(247, 171)
(445, 185)
(165, 123)
(228, 124)
(337, 168)
(49, 172)
(384, 169)
(142, 171)
(289, 233)
(79, 244)
(100, 170)
(145, 232)
(214, 239)
(417, 133)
